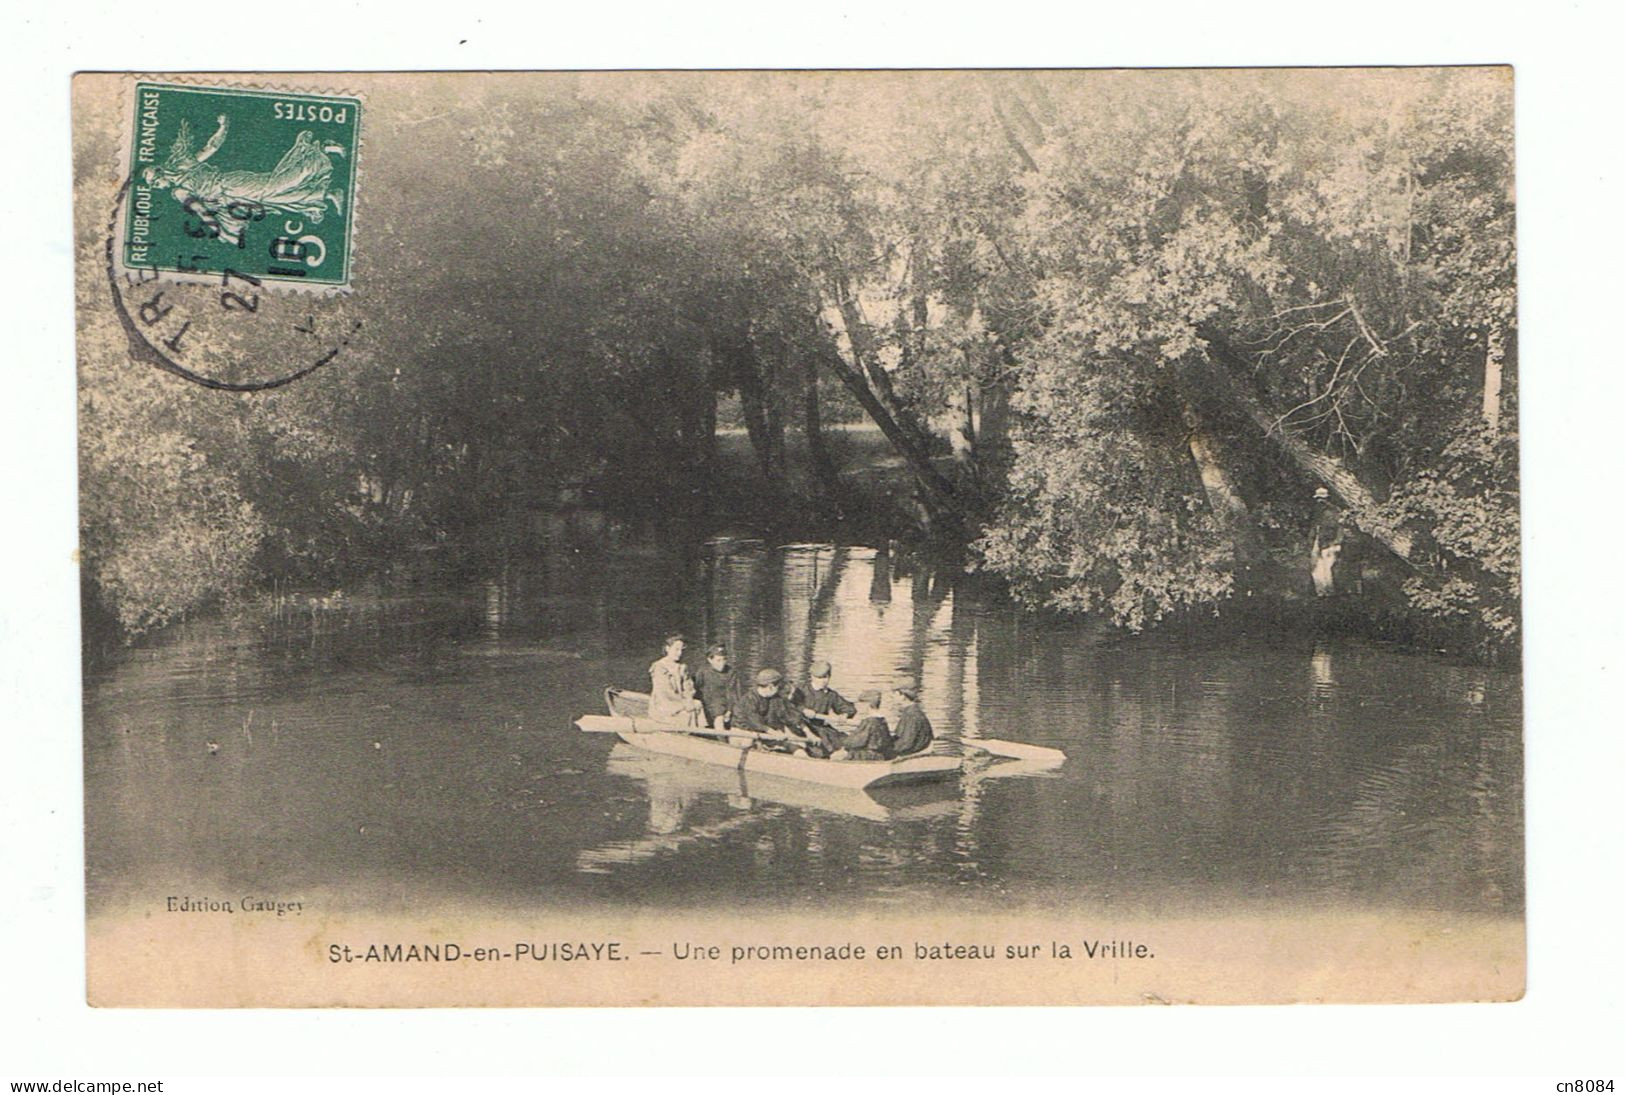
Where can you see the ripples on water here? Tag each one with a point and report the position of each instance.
(417, 740)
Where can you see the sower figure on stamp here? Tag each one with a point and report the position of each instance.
(1325, 542)
(298, 184)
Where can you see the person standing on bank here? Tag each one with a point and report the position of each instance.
(820, 698)
(716, 686)
(913, 731)
(671, 687)
(1325, 543)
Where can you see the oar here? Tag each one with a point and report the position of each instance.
(614, 724)
(998, 747)
(1016, 750)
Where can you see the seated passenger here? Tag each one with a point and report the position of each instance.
(767, 709)
(792, 693)
(717, 686)
(872, 739)
(671, 687)
(820, 698)
(913, 731)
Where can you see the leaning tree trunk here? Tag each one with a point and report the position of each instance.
(1228, 507)
(932, 483)
(868, 363)
(906, 436)
(1210, 375)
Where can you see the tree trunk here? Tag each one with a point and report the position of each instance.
(1212, 376)
(962, 431)
(766, 431)
(936, 487)
(823, 466)
(1494, 356)
(874, 373)
(689, 400)
(866, 379)
(993, 416)
(709, 448)
(1222, 496)
(1011, 136)
(763, 423)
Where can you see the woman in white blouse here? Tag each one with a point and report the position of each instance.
(671, 687)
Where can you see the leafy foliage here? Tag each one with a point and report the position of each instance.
(1116, 326)
(1330, 254)
(165, 527)
(1469, 504)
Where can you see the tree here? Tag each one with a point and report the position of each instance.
(1116, 327)
(1323, 258)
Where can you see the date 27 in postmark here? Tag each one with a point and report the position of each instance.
(258, 183)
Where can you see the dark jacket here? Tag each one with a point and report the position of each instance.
(1327, 527)
(870, 741)
(717, 691)
(758, 712)
(913, 730)
(776, 712)
(822, 701)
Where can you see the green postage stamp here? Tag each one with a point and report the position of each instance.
(230, 181)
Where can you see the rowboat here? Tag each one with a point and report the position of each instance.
(628, 719)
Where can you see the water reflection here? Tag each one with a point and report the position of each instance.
(1320, 671)
(419, 734)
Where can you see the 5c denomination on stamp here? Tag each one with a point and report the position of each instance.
(255, 182)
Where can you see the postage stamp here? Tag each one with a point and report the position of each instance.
(257, 183)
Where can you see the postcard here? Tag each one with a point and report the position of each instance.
(784, 538)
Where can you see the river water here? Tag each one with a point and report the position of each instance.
(412, 744)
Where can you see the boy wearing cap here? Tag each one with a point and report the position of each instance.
(872, 739)
(820, 698)
(913, 731)
(766, 708)
(716, 686)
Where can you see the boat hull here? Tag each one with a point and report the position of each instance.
(859, 774)
(628, 720)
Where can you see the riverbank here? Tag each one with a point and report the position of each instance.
(870, 502)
